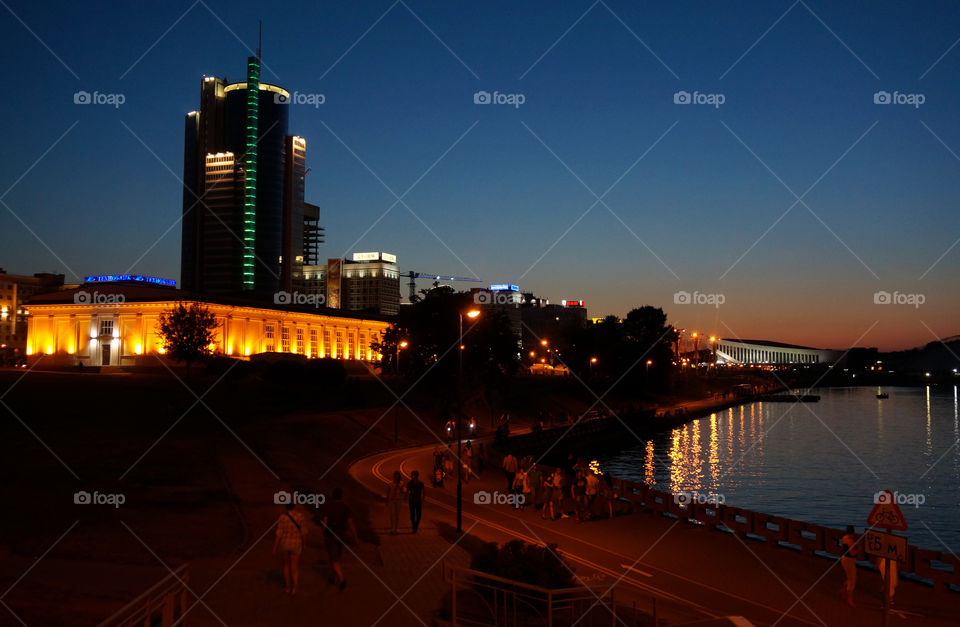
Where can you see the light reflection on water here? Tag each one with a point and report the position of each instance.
(819, 462)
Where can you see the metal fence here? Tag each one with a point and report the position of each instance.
(482, 599)
(163, 605)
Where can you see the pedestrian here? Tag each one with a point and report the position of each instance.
(448, 463)
(578, 490)
(338, 529)
(593, 486)
(559, 484)
(510, 466)
(891, 585)
(535, 481)
(415, 498)
(518, 487)
(849, 563)
(612, 492)
(437, 457)
(396, 495)
(291, 531)
(438, 475)
(481, 458)
(548, 496)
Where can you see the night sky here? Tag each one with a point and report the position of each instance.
(695, 197)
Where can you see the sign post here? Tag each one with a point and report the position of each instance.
(886, 513)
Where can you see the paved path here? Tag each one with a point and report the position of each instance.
(695, 573)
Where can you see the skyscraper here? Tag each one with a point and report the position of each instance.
(246, 227)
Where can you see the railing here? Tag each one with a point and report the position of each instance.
(163, 605)
(943, 569)
(482, 599)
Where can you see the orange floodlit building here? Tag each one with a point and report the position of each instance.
(115, 324)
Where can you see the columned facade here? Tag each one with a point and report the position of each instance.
(773, 353)
(125, 334)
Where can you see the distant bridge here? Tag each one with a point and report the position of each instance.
(770, 353)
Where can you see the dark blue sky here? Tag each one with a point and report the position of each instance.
(507, 184)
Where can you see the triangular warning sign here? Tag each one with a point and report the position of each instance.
(886, 513)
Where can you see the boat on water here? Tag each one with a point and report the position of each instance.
(882, 394)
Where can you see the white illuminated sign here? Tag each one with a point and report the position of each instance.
(375, 257)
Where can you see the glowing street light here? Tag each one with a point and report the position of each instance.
(473, 313)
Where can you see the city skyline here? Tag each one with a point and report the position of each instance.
(782, 173)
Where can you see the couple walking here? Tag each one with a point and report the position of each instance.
(291, 534)
(411, 493)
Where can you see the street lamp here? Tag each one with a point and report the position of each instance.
(649, 363)
(473, 313)
(396, 407)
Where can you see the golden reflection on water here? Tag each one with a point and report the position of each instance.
(714, 459)
(649, 466)
(929, 440)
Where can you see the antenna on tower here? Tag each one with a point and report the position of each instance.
(259, 36)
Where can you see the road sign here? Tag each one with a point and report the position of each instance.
(885, 545)
(886, 513)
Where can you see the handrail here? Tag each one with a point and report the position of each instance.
(159, 600)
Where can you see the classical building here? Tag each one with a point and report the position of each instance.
(115, 324)
(15, 290)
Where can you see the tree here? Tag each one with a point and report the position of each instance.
(430, 326)
(187, 332)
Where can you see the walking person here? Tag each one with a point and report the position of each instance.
(548, 487)
(291, 531)
(849, 563)
(415, 498)
(578, 490)
(559, 483)
(510, 466)
(396, 495)
(338, 528)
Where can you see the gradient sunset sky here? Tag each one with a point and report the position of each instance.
(598, 187)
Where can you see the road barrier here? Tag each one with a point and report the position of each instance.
(940, 568)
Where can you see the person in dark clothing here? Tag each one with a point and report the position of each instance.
(415, 489)
(338, 527)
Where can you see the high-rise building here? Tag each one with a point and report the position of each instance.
(246, 227)
(367, 283)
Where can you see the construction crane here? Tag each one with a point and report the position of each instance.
(413, 275)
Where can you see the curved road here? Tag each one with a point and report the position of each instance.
(693, 573)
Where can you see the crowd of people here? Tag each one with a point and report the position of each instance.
(571, 489)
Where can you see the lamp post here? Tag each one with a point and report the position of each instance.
(473, 313)
(396, 407)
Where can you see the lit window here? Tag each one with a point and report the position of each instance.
(313, 343)
(284, 340)
(106, 327)
(300, 341)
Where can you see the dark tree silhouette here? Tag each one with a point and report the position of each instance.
(187, 332)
